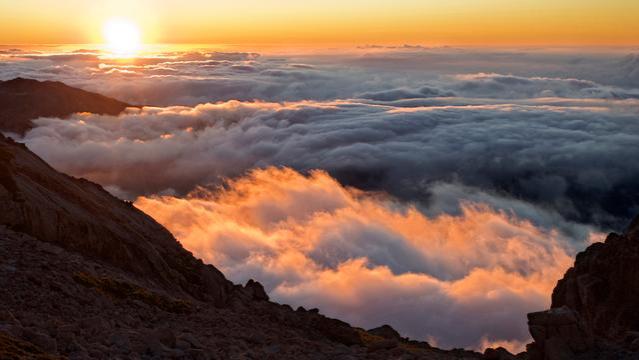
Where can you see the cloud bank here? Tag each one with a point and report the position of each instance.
(194, 77)
(575, 160)
(453, 188)
(457, 280)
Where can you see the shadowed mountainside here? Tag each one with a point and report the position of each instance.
(22, 100)
(81, 216)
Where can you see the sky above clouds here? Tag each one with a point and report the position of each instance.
(428, 188)
(467, 22)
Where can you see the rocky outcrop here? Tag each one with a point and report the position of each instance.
(559, 333)
(256, 290)
(386, 331)
(502, 354)
(81, 216)
(594, 307)
(603, 287)
(22, 100)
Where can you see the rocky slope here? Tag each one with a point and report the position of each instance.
(22, 100)
(86, 275)
(81, 216)
(594, 307)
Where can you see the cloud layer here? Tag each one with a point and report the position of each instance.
(458, 280)
(576, 160)
(453, 186)
(190, 78)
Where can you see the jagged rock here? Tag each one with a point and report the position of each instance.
(558, 333)
(81, 216)
(385, 331)
(594, 306)
(256, 290)
(498, 354)
(337, 330)
(603, 286)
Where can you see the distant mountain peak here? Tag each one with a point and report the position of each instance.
(23, 100)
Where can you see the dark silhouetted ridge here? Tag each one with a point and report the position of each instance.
(23, 100)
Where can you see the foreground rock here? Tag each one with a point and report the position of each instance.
(84, 275)
(594, 307)
(81, 216)
(22, 100)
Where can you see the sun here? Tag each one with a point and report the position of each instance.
(122, 37)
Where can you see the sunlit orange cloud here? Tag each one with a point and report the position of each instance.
(365, 258)
(469, 22)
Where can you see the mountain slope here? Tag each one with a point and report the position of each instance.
(22, 100)
(81, 216)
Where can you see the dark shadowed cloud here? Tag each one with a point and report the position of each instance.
(577, 161)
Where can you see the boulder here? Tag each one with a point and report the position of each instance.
(558, 334)
(498, 354)
(336, 330)
(386, 331)
(594, 306)
(256, 290)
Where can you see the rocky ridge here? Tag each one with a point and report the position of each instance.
(22, 100)
(594, 306)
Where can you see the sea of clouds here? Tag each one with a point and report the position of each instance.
(443, 191)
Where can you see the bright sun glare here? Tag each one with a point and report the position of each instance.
(122, 37)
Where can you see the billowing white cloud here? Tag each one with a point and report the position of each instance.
(461, 280)
(577, 160)
(191, 78)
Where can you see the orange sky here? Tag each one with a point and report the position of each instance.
(454, 22)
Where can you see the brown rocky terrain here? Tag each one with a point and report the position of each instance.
(22, 100)
(594, 312)
(84, 275)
